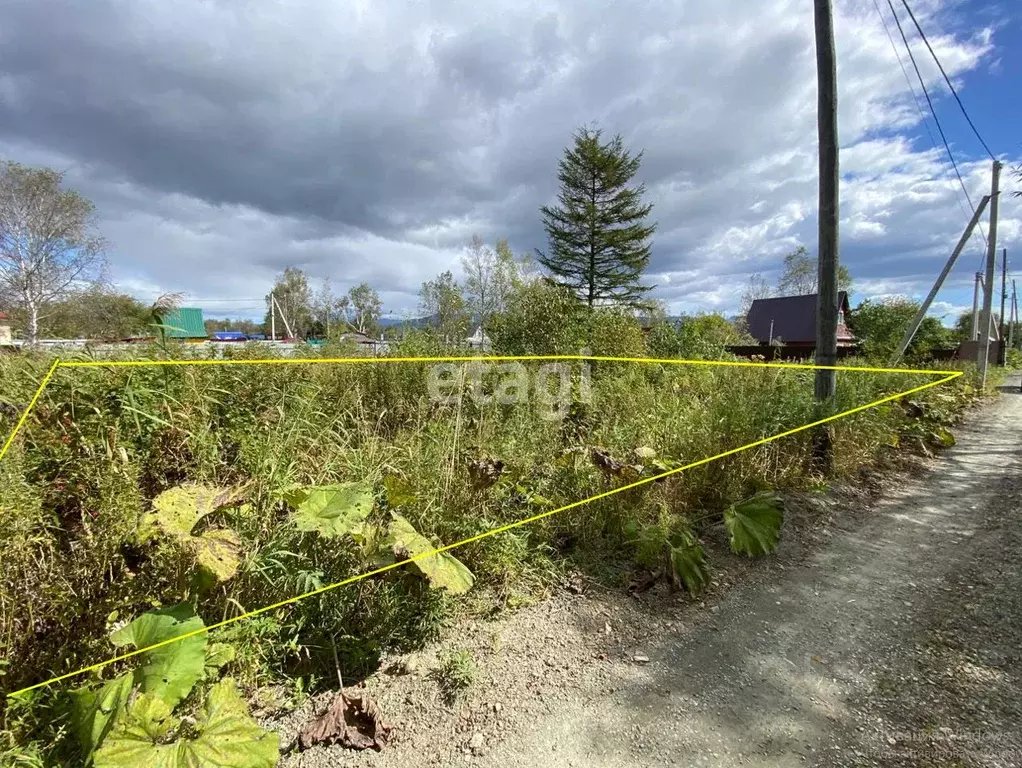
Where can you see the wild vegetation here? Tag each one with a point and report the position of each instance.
(210, 490)
(143, 504)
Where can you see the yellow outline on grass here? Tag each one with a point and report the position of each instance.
(947, 376)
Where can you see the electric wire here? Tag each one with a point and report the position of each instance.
(929, 102)
(922, 116)
(947, 80)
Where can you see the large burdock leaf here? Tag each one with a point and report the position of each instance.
(225, 736)
(135, 740)
(94, 711)
(218, 551)
(688, 562)
(170, 671)
(443, 570)
(332, 510)
(754, 524)
(178, 510)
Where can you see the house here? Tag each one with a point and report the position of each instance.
(479, 340)
(185, 323)
(366, 343)
(791, 321)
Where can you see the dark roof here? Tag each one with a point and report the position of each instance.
(794, 318)
(358, 338)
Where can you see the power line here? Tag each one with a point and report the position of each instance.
(946, 78)
(922, 116)
(929, 102)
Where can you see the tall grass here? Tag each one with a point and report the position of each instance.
(102, 443)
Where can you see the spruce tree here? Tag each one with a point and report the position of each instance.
(599, 239)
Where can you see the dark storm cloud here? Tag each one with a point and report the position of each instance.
(222, 141)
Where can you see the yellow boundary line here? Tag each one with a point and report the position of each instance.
(947, 376)
(24, 416)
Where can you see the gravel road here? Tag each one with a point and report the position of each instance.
(885, 632)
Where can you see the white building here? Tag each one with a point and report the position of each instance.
(479, 340)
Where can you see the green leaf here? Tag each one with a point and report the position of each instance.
(94, 711)
(645, 453)
(226, 736)
(399, 492)
(688, 561)
(943, 437)
(443, 570)
(134, 741)
(755, 524)
(332, 510)
(218, 655)
(170, 671)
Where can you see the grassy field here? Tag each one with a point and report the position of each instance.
(227, 488)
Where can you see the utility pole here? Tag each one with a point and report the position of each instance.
(283, 316)
(273, 318)
(1014, 317)
(1002, 350)
(826, 297)
(974, 333)
(986, 318)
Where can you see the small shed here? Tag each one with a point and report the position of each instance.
(185, 323)
(792, 320)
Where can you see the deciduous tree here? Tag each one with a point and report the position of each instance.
(442, 302)
(361, 308)
(49, 244)
(489, 278)
(879, 325)
(800, 274)
(291, 290)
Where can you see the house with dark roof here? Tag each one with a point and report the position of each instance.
(791, 321)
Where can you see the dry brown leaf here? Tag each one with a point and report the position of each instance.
(356, 723)
(485, 471)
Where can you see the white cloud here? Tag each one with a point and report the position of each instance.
(369, 141)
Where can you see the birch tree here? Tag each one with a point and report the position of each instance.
(49, 245)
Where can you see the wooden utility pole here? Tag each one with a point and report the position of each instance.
(1002, 349)
(986, 319)
(1014, 317)
(826, 297)
(974, 332)
(273, 318)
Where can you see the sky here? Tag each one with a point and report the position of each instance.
(223, 140)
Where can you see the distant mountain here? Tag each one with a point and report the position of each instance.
(412, 322)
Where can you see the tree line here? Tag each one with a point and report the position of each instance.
(587, 285)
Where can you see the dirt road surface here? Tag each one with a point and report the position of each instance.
(889, 635)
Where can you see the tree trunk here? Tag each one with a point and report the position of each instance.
(32, 329)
